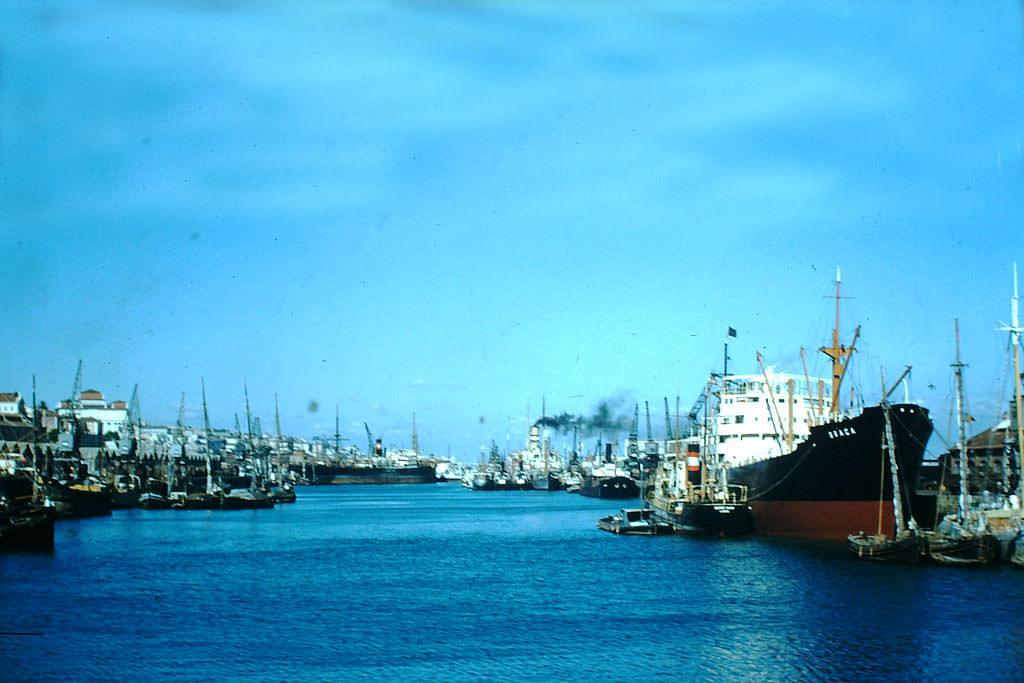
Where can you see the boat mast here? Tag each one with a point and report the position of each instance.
(206, 432)
(182, 439)
(961, 442)
(415, 438)
(888, 446)
(277, 439)
(719, 480)
(1015, 330)
(839, 354)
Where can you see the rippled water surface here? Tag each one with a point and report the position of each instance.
(437, 582)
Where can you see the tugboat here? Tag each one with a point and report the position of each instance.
(698, 501)
(693, 494)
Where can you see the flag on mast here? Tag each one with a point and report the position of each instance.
(732, 332)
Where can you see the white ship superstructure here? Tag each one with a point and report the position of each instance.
(766, 415)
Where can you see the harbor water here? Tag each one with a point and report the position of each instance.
(440, 583)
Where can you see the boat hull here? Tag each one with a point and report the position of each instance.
(613, 488)
(713, 519)
(829, 486)
(546, 482)
(332, 475)
(908, 549)
(79, 500)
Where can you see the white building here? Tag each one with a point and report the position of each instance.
(12, 405)
(94, 407)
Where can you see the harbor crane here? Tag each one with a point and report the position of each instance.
(693, 416)
(647, 407)
(668, 421)
(76, 390)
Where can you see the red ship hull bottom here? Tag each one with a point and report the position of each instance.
(827, 520)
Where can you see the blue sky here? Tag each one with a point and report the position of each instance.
(460, 208)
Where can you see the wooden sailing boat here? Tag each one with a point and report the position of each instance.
(962, 538)
(905, 545)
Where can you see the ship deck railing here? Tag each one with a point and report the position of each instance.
(712, 493)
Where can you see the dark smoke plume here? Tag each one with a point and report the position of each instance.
(608, 416)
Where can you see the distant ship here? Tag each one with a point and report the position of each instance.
(366, 472)
(395, 466)
(809, 470)
(608, 481)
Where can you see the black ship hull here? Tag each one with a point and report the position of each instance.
(353, 474)
(613, 488)
(710, 519)
(828, 486)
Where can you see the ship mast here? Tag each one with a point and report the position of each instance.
(1015, 330)
(415, 438)
(206, 432)
(839, 354)
(961, 442)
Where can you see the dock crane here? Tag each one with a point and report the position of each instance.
(76, 391)
(668, 422)
(633, 441)
(369, 441)
(132, 425)
(693, 417)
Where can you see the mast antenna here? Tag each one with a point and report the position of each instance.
(839, 354)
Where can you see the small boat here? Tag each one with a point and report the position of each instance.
(634, 521)
(906, 548)
(962, 539)
(154, 501)
(196, 501)
(285, 493)
(905, 545)
(125, 492)
(26, 521)
(957, 547)
(86, 498)
(245, 499)
(692, 492)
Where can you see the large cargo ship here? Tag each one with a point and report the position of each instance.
(811, 470)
